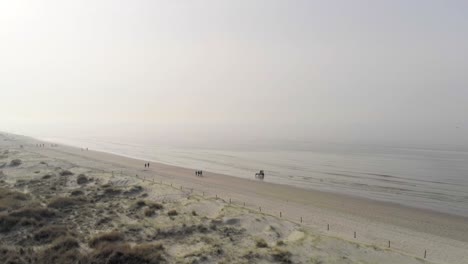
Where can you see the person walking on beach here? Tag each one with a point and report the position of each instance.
(145, 165)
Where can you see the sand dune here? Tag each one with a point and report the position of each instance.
(118, 205)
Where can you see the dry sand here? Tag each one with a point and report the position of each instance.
(238, 227)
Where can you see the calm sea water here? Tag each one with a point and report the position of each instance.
(434, 179)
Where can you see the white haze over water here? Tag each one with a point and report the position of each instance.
(378, 72)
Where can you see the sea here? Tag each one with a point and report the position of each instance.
(420, 177)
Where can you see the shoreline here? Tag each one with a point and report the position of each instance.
(411, 230)
(366, 194)
(343, 196)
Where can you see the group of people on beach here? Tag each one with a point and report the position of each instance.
(199, 173)
(147, 165)
(44, 145)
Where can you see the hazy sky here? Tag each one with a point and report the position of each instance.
(346, 71)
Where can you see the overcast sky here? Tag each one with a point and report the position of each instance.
(344, 71)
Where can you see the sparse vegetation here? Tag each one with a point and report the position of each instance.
(11, 200)
(103, 221)
(24, 217)
(134, 190)
(7, 223)
(15, 255)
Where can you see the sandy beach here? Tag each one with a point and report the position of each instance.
(304, 226)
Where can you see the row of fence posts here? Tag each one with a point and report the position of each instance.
(260, 210)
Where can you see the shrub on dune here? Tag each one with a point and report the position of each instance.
(110, 237)
(66, 173)
(261, 243)
(47, 176)
(63, 250)
(76, 193)
(111, 191)
(282, 256)
(172, 213)
(82, 179)
(33, 213)
(124, 253)
(49, 233)
(64, 202)
(7, 223)
(156, 206)
(15, 162)
(149, 212)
